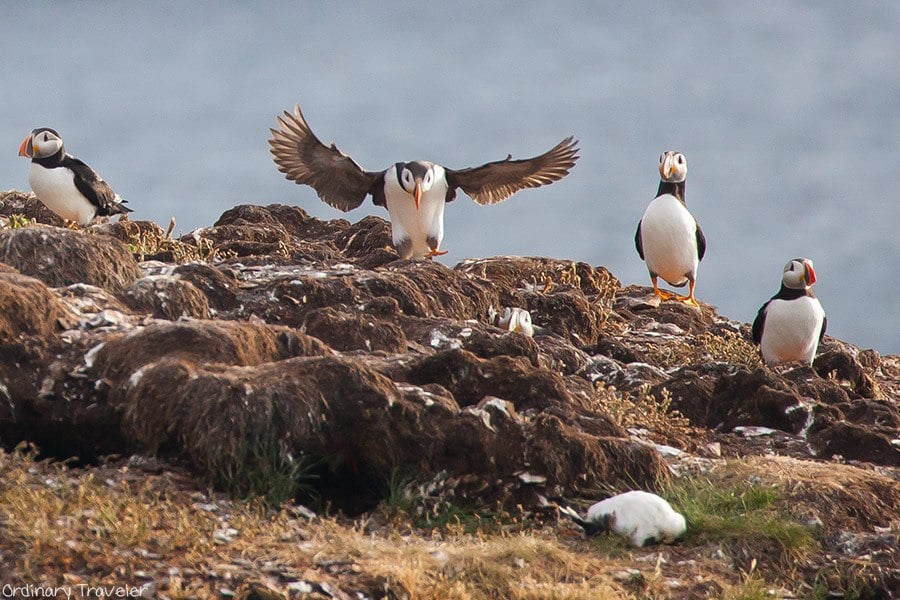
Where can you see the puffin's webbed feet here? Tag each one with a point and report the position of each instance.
(662, 294)
(435, 252)
(689, 299)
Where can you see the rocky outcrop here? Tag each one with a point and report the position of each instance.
(26, 205)
(306, 342)
(60, 257)
(166, 297)
(28, 309)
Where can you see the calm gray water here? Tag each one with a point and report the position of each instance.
(789, 116)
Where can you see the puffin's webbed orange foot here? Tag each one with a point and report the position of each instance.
(435, 252)
(663, 294)
(689, 300)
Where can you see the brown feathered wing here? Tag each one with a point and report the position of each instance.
(337, 178)
(496, 181)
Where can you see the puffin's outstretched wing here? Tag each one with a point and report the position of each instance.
(94, 188)
(337, 178)
(496, 181)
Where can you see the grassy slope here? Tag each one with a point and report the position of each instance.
(750, 531)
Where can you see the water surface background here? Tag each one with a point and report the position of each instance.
(789, 114)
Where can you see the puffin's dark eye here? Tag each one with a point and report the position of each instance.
(680, 159)
(662, 158)
(45, 137)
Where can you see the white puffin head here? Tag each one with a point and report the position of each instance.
(516, 319)
(41, 143)
(416, 178)
(672, 166)
(799, 274)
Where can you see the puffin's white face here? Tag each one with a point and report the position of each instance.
(516, 319)
(416, 177)
(41, 143)
(672, 166)
(524, 325)
(799, 274)
(504, 320)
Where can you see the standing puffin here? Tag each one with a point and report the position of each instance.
(63, 183)
(789, 327)
(415, 192)
(668, 237)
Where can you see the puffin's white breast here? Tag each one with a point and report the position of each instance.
(640, 516)
(791, 330)
(669, 239)
(56, 189)
(407, 223)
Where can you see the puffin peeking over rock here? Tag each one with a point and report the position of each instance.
(641, 517)
(66, 185)
(668, 237)
(415, 192)
(789, 327)
(516, 319)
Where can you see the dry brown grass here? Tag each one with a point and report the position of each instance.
(844, 496)
(724, 346)
(151, 242)
(643, 410)
(115, 525)
(721, 346)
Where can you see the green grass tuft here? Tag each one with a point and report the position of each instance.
(16, 221)
(266, 471)
(749, 516)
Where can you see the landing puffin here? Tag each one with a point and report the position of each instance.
(414, 192)
(789, 327)
(668, 237)
(65, 184)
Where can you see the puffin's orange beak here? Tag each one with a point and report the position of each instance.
(810, 274)
(26, 148)
(417, 194)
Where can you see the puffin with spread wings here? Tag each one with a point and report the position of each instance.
(414, 192)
